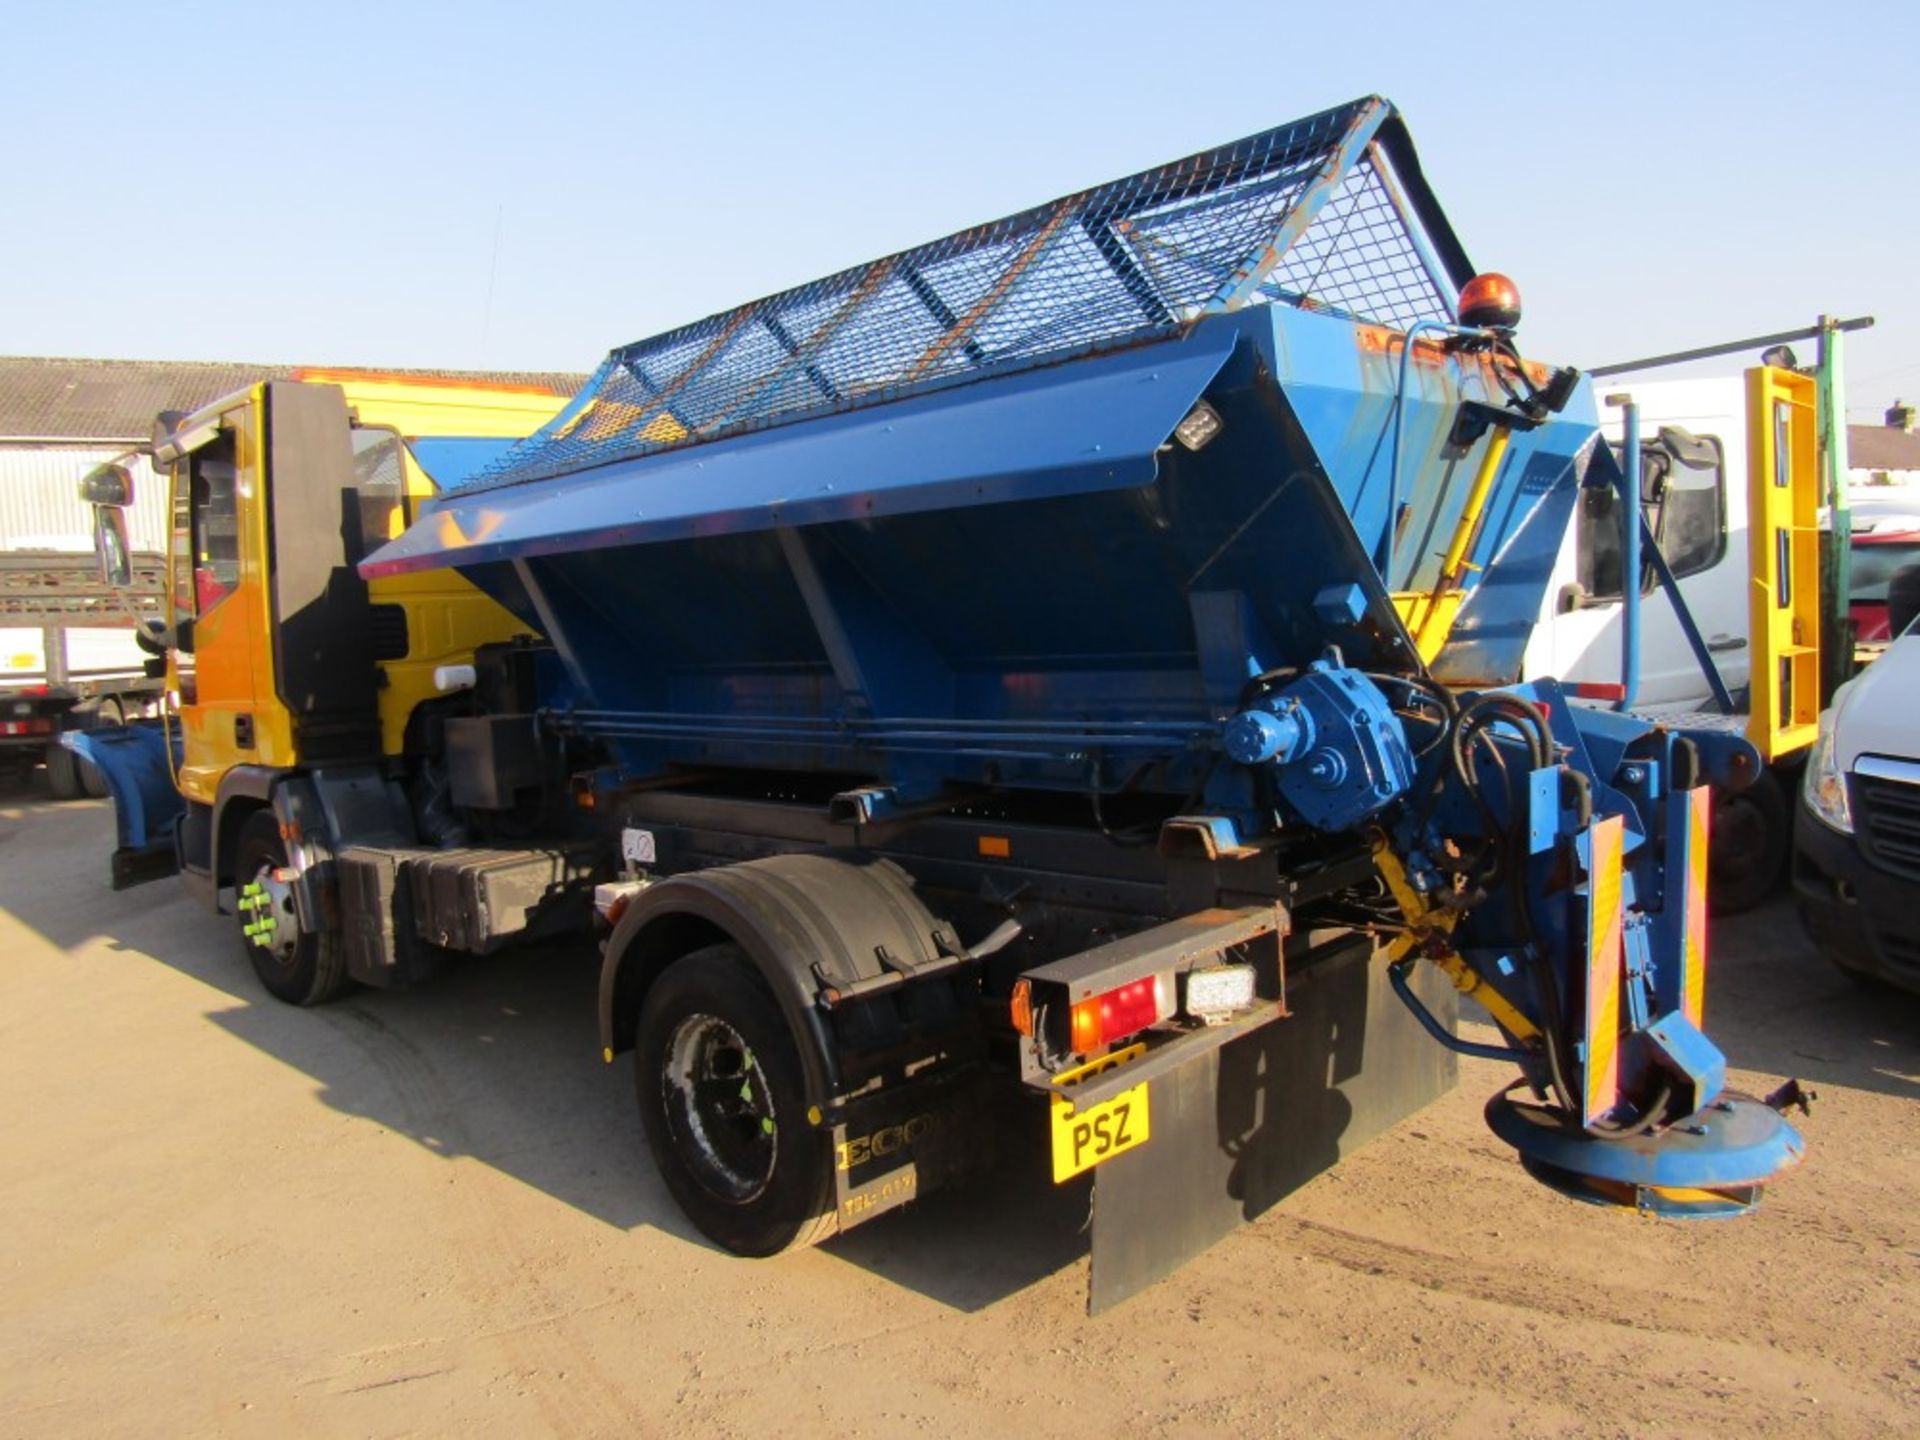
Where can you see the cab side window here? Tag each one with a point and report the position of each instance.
(1683, 494)
(215, 518)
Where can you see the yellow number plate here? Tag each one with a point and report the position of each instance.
(1083, 1136)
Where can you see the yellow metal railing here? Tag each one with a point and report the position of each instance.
(1783, 547)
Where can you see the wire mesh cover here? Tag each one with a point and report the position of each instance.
(1111, 265)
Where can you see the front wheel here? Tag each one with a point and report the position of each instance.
(109, 713)
(723, 1102)
(295, 965)
(1748, 850)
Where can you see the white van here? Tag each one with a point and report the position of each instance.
(1856, 861)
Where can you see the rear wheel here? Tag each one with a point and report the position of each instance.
(63, 772)
(1749, 845)
(296, 966)
(108, 715)
(723, 1101)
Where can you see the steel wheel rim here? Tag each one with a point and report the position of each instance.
(268, 922)
(719, 1107)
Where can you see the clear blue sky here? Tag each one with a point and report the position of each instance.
(324, 183)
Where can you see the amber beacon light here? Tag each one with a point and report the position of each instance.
(1490, 301)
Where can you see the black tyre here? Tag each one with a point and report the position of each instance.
(92, 782)
(723, 1101)
(1751, 836)
(1865, 979)
(300, 968)
(63, 772)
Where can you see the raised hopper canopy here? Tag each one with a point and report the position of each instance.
(1329, 213)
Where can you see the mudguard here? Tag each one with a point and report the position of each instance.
(807, 921)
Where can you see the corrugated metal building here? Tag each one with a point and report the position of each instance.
(59, 418)
(38, 508)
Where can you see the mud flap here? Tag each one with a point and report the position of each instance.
(1239, 1128)
(893, 1147)
(133, 761)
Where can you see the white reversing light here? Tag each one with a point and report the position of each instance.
(1203, 422)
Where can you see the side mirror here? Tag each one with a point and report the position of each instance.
(157, 639)
(110, 545)
(154, 638)
(108, 484)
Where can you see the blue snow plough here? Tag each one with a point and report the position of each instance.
(1075, 660)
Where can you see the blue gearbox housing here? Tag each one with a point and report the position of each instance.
(1338, 751)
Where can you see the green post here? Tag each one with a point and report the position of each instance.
(1836, 545)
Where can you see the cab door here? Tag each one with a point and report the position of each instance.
(217, 574)
(1693, 455)
(1692, 511)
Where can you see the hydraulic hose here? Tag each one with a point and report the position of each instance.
(1397, 977)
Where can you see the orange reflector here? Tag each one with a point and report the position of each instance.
(1085, 1032)
(1022, 1007)
(995, 847)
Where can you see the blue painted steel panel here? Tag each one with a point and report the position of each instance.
(1035, 435)
(1739, 1141)
(451, 460)
(133, 760)
(1341, 380)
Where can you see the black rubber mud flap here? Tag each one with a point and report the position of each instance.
(1239, 1128)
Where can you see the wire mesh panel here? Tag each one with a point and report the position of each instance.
(1302, 214)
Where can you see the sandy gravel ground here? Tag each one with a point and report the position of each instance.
(430, 1214)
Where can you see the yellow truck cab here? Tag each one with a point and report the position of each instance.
(280, 658)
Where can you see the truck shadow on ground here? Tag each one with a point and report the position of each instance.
(496, 1060)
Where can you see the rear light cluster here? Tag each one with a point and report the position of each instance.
(1209, 996)
(26, 727)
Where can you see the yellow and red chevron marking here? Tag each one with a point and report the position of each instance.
(1693, 962)
(1605, 962)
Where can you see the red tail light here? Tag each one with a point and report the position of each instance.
(1118, 1013)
